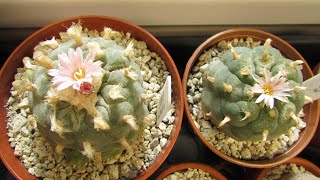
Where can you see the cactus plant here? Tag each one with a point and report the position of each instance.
(230, 85)
(85, 95)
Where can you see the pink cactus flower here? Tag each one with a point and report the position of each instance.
(73, 70)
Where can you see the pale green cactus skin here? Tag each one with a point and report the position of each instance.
(218, 104)
(78, 121)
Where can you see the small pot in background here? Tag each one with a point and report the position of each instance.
(259, 174)
(184, 166)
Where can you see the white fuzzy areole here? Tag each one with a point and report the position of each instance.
(268, 42)
(50, 43)
(130, 120)
(99, 123)
(44, 61)
(82, 101)
(75, 32)
(130, 74)
(115, 93)
(96, 49)
(25, 85)
(88, 150)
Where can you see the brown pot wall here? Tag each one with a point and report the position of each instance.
(316, 138)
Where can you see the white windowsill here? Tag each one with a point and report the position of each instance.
(37, 13)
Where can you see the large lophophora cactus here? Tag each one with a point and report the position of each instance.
(97, 110)
(230, 84)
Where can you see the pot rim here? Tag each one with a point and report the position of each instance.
(314, 169)
(183, 166)
(287, 50)
(316, 138)
(18, 169)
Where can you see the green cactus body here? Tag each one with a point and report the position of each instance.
(228, 101)
(73, 130)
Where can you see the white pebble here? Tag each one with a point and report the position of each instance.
(163, 142)
(162, 126)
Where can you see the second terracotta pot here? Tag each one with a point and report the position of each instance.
(310, 110)
(184, 166)
(309, 166)
(316, 138)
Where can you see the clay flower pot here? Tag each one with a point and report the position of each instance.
(309, 166)
(184, 166)
(310, 110)
(9, 70)
(316, 138)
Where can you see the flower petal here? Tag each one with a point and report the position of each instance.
(53, 72)
(257, 89)
(89, 58)
(271, 102)
(283, 87)
(258, 79)
(267, 75)
(260, 98)
(279, 93)
(77, 85)
(64, 85)
(283, 99)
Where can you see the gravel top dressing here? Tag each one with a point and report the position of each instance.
(190, 173)
(282, 171)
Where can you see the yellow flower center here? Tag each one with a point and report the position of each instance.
(268, 89)
(80, 74)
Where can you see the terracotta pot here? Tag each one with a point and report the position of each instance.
(260, 173)
(316, 138)
(311, 110)
(316, 69)
(9, 69)
(184, 166)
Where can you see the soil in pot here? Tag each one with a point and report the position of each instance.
(47, 159)
(242, 152)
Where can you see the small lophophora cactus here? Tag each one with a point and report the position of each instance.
(86, 96)
(230, 85)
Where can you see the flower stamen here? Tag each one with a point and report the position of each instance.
(80, 74)
(268, 89)
(271, 88)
